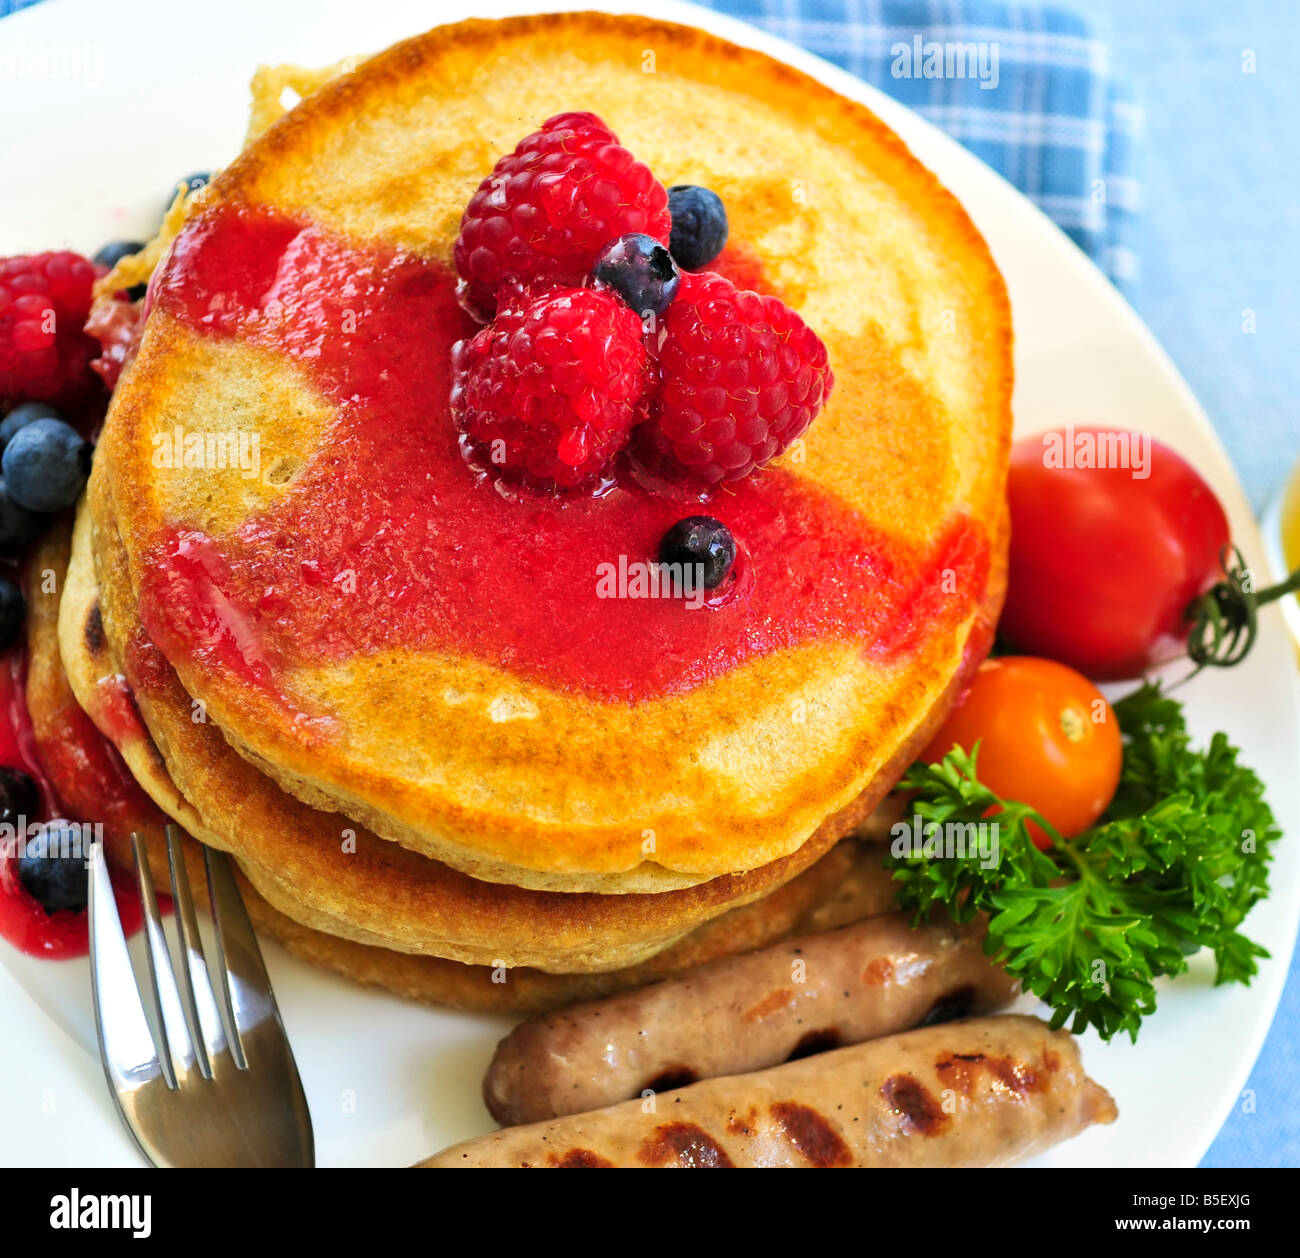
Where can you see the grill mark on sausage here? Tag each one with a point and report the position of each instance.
(813, 1042)
(768, 1005)
(738, 1126)
(1014, 1074)
(811, 1134)
(685, 1144)
(879, 971)
(958, 1003)
(578, 1159)
(912, 1101)
(94, 630)
(957, 1070)
(669, 1078)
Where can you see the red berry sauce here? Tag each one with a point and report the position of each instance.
(116, 324)
(445, 562)
(118, 713)
(100, 791)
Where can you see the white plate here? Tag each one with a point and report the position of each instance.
(105, 106)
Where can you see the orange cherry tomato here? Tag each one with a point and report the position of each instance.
(1047, 738)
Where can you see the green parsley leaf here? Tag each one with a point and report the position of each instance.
(1174, 865)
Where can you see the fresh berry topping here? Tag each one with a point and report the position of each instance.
(546, 210)
(12, 609)
(18, 526)
(21, 416)
(640, 270)
(46, 465)
(743, 377)
(52, 869)
(699, 225)
(190, 184)
(20, 797)
(548, 393)
(702, 540)
(117, 326)
(44, 353)
(112, 253)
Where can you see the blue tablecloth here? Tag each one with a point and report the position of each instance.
(1044, 96)
(1031, 93)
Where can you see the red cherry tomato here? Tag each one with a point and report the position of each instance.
(1105, 560)
(1047, 737)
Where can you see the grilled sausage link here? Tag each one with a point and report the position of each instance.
(984, 1092)
(873, 978)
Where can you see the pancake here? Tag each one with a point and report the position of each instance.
(848, 883)
(366, 889)
(426, 663)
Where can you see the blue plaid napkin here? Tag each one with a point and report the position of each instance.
(1026, 87)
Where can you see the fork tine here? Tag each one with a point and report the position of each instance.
(176, 1048)
(205, 1020)
(245, 983)
(126, 1044)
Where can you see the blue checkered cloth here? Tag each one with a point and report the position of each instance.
(1026, 87)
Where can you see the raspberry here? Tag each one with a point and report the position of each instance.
(548, 393)
(547, 208)
(44, 351)
(743, 377)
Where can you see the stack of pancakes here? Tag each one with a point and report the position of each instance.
(429, 815)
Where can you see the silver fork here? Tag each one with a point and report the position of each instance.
(207, 1093)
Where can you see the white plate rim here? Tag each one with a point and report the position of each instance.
(56, 19)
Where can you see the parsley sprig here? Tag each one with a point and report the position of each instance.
(1173, 865)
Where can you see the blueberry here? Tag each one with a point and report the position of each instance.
(640, 270)
(112, 253)
(12, 610)
(46, 465)
(53, 867)
(20, 797)
(699, 225)
(21, 416)
(18, 526)
(700, 539)
(192, 183)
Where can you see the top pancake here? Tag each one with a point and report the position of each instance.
(498, 730)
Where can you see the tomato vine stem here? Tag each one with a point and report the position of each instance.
(1225, 618)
